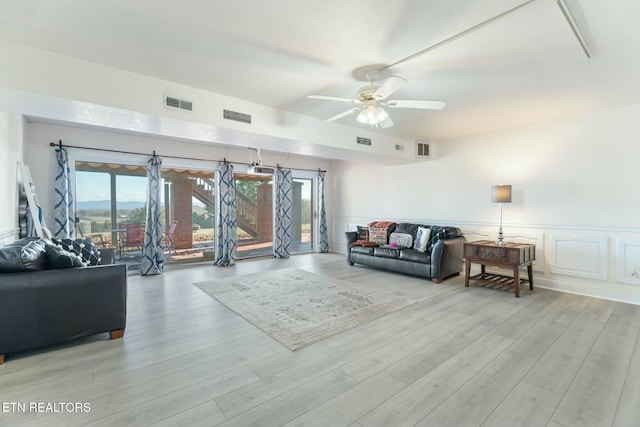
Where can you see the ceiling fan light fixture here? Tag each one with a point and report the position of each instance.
(372, 97)
(372, 115)
(362, 117)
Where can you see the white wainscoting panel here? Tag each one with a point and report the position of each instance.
(628, 261)
(473, 234)
(579, 256)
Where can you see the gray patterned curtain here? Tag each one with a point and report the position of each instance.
(323, 243)
(282, 238)
(226, 227)
(64, 226)
(153, 250)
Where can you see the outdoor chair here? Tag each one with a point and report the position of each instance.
(133, 236)
(169, 242)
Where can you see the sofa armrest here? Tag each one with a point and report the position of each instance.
(351, 236)
(446, 258)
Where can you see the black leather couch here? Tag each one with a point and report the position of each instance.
(41, 306)
(442, 260)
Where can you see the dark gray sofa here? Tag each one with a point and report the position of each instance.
(442, 260)
(40, 306)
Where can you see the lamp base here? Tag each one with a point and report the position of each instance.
(501, 242)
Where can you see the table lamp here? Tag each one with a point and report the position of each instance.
(501, 194)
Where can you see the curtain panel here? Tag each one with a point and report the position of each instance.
(226, 226)
(64, 226)
(282, 221)
(153, 249)
(323, 235)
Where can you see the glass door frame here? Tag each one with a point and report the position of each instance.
(315, 214)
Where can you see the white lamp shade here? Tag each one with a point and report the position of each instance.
(501, 194)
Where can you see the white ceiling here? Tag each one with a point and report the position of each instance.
(524, 67)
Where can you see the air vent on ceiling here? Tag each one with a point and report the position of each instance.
(172, 102)
(236, 116)
(399, 147)
(423, 149)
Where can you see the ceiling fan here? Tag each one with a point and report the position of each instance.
(372, 98)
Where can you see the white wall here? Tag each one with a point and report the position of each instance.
(61, 88)
(11, 132)
(576, 196)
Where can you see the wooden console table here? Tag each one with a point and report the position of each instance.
(509, 255)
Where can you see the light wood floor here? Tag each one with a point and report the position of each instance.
(459, 357)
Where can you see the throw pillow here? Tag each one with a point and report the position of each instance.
(442, 233)
(60, 258)
(378, 235)
(422, 239)
(402, 240)
(83, 247)
(363, 233)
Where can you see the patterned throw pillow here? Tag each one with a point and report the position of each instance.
(363, 233)
(442, 233)
(378, 235)
(402, 240)
(59, 258)
(83, 247)
(422, 239)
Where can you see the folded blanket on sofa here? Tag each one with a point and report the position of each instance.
(382, 224)
(366, 243)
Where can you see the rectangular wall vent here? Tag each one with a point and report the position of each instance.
(235, 116)
(172, 102)
(399, 147)
(363, 141)
(423, 149)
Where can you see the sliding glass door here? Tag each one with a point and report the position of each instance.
(302, 215)
(254, 215)
(111, 199)
(111, 208)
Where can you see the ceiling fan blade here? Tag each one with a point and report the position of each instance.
(392, 84)
(386, 123)
(333, 98)
(341, 115)
(410, 103)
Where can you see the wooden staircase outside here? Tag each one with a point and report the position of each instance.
(246, 209)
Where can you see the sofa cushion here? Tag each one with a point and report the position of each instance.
(83, 247)
(401, 240)
(415, 256)
(386, 252)
(422, 239)
(59, 258)
(26, 254)
(365, 250)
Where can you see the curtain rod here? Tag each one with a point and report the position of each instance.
(61, 145)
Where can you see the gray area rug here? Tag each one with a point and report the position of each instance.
(298, 308)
